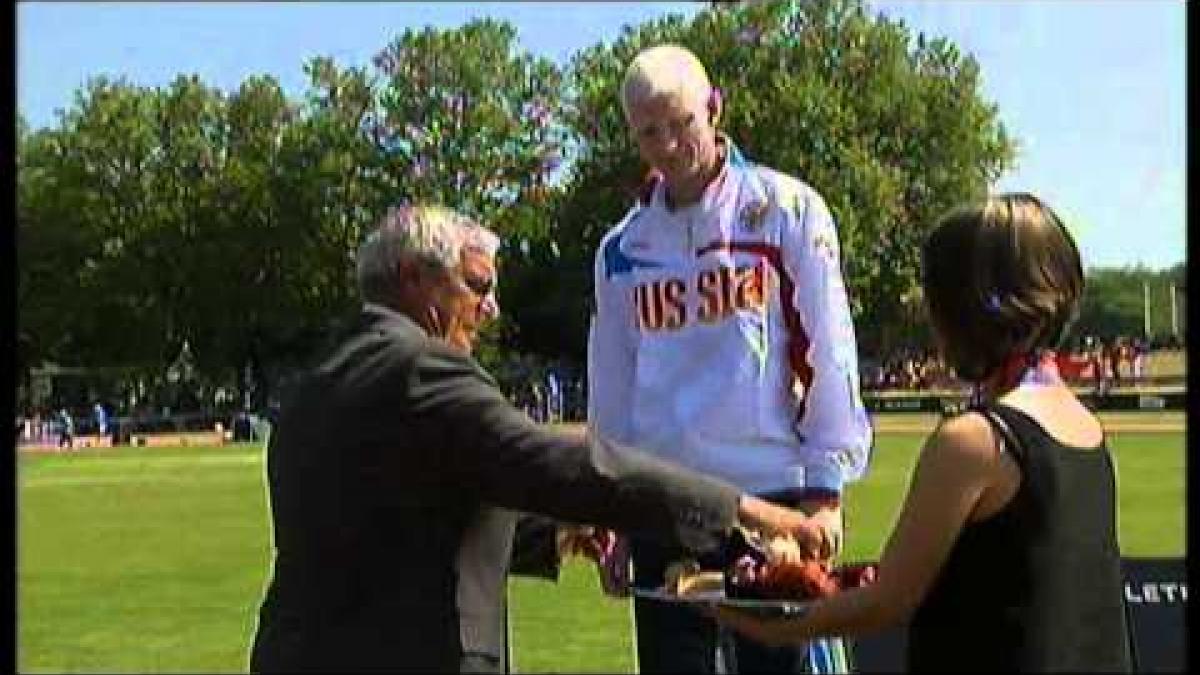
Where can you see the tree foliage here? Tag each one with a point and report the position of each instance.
(229, 222)
(1116, 299)
(466, 118)
(90, 231)
(148, 218)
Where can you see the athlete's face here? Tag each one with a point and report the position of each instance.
(675, 135)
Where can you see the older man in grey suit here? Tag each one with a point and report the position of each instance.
(397, 441)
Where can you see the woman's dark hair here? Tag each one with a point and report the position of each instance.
(1000, 277)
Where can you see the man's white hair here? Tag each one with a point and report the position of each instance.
(434, 235)
(665, 70)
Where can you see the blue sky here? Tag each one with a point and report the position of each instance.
(1093, 90)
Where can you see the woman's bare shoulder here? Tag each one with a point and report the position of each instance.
(1059, 413)
(964, 438)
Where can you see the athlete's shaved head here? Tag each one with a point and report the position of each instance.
(665, 70)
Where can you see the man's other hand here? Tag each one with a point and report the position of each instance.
(827, 519)
(816, 529)
(584, 540)
(614, 569)
(606, 548)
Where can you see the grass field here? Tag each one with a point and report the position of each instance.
(154, 560)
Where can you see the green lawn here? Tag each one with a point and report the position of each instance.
(138, 560)
(153, 560)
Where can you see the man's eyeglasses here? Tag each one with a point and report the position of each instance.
(480, 287)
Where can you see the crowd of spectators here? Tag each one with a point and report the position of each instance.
(1102, 363)
(59, 426)
(908, 369)
(1106, 363)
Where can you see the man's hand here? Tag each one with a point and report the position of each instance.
(584, 540)
(606, 548)
(828, 519)
(816, 529)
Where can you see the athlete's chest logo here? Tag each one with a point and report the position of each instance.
(714, 295)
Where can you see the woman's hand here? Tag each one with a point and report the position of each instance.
(772, 632)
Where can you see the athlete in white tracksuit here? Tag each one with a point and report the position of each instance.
(722, 340)
(722, 337)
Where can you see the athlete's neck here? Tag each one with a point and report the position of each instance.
(686, 194)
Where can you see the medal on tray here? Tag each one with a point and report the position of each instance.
(767, 577)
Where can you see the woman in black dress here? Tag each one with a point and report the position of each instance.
(1004, 554)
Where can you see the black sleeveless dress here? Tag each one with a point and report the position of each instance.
(1036, 587)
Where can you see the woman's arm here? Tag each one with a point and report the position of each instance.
(957, 464)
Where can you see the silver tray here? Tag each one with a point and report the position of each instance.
(773, 608)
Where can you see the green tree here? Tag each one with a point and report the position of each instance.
(1116, 299)
(151, 218)
(171, 246)
(239, 304)
(465, 118)
(230, 222)
(83, 199)
(892, 131)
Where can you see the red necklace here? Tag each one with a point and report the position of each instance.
(1019, 368)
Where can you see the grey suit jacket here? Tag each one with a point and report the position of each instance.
(527, 545)
(383, 455)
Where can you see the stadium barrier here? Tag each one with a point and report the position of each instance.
(201, 428)
(946, 401)
(1155, 611)
(148, 430)
(91, 441)
(162, 439)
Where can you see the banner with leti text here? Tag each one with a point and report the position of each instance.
(1156, 598)
(1156, 605)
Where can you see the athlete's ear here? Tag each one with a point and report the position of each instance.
(714, 106)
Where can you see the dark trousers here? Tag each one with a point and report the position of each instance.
(674, 638)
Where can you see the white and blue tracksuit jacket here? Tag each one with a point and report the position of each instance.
(722, 338)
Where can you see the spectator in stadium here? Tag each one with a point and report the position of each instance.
(1004, 555)
(1112, 358)
(737, 358)
(1141, 349)
(396, 441)
(41, 425)
(101, 417)
(66, 429)
(553, 396)
(29, 423)
(1099, 367)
